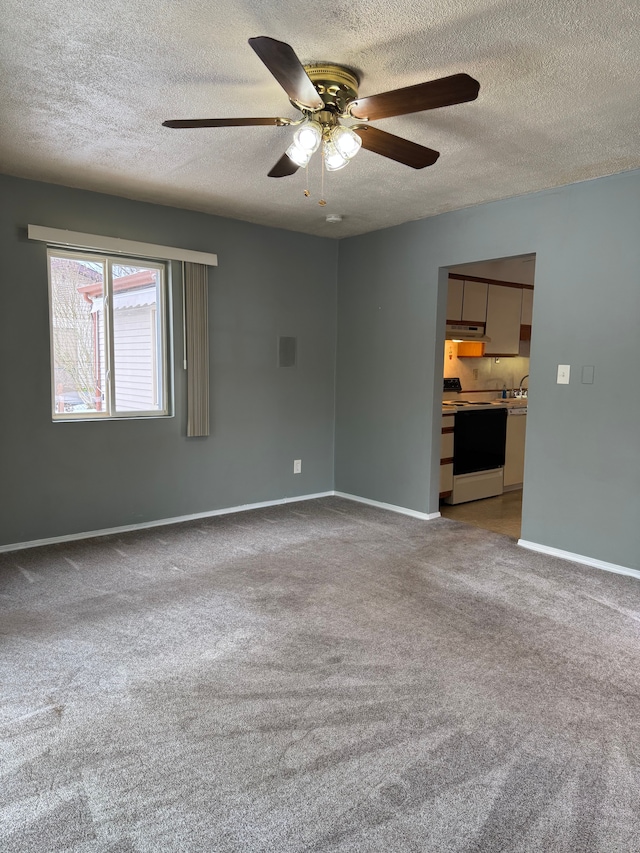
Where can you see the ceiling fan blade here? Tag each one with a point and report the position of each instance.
(282, 62)
(396, 148)
(413, 99)
(224, 122)
(285, 166)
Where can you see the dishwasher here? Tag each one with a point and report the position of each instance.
(479, 438)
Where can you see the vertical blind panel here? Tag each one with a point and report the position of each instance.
(197, 333)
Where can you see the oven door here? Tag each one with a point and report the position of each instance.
(479, 439)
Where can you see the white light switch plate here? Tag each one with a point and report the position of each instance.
(563, 374)
(297, 466)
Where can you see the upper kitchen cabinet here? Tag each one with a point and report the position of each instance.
(474, 302)
(467, 301)
(525, 323)
(454, 299)
(527, 307)
(504, 311)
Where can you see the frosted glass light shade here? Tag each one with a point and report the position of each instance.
(347, 142)
(308, 136)
(333, 159)
(299, 155)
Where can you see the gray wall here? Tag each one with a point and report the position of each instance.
(582, 477)
(582, 467)
(64, 478)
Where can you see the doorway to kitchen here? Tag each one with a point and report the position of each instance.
(486, 392)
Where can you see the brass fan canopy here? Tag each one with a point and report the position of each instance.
(337, 85)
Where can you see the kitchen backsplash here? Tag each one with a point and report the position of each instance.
(483, 374)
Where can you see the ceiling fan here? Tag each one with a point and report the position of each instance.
(326, 95)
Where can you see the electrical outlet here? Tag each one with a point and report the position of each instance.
(297, 466)
(563, 374)
(475, 372)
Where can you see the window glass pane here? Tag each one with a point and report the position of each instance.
(137, 338)
(77, 326)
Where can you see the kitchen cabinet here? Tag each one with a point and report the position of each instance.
(527, 307)
(446, 455)
(504, 309)
(525, 323)
(467, 301)
(474, 302)
(470, 349)
(514, 449)
(454, 299)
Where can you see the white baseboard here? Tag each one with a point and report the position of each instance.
(391, 507)
(579, 558)
(162, 522)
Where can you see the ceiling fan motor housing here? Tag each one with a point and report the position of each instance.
(336, 85)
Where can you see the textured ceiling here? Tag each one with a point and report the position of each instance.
(87, 84)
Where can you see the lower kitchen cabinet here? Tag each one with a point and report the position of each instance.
(446, 455)
(514, 449)
(446, 480)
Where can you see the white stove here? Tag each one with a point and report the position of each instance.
(478, 450)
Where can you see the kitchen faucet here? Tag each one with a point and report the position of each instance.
(521, 381)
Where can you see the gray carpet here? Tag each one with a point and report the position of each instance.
(321, 676)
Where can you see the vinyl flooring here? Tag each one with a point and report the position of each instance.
(501, 514)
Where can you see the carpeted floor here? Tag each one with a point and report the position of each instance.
(322, 676)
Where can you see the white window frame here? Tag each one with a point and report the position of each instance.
(163, 341)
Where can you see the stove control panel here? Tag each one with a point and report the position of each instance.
(452, 384)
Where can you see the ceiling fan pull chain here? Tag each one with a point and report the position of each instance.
(322, 201)
(306, 175)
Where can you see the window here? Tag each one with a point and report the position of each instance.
(108, 336)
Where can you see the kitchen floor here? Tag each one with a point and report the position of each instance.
(501, 514)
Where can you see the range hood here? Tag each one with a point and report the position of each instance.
(465, 332)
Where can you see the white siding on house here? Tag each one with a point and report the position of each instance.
(134, 359)
(135, 350)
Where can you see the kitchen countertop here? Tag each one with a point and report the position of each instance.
(509, 403)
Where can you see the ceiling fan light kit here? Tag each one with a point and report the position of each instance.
(347, 142)
(333, 159)
(308, 136)
(339, 143)
(325, 94)
(298, 155)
